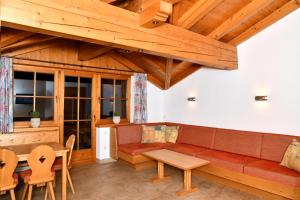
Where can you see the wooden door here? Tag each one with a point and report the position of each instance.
(78, 112)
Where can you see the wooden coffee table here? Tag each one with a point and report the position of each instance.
(178, 160)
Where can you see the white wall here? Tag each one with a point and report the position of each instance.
(155, 101)
(269, 64)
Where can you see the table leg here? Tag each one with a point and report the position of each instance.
(160, 173)
(187, 184)
(64, 176)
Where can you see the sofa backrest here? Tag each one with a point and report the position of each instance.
(275, 145)
(239, 142)
(196, 135)
(131, 133)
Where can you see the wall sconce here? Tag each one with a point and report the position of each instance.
(261, 98)
(191, 98)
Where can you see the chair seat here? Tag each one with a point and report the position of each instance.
(188, 149)
(273, 171)
(227, 160)
(57, 164)
(138, 148)
(25, 175)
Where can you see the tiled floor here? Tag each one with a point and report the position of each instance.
(115, 181)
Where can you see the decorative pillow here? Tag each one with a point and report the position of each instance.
(171, 133)
(291, 157)
(153, 134)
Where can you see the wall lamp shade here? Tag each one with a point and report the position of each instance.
(191, 98)
(261, 98)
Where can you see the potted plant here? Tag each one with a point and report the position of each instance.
(116, 118)
(35, 119)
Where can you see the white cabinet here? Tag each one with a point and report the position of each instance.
(103, 143)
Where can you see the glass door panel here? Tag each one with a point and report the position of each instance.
(78, 111)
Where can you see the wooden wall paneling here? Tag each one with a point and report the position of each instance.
(87, 51)
(267, 21)
(153, 41)
(30, 135)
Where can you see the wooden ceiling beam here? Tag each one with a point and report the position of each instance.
(124, 61)
(264, 23)
(168, 74)
(108, 1)
(184, 73)
(173, 1)
(154, 13)
(134, 66)
(22, 35)
(88, 51)
(149, 66)
(82, 21)
(196, 12)
(33, 48)
(238, 18)
(31, 41)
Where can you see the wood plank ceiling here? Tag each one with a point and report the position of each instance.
(215, 25)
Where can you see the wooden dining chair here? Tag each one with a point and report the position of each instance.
(40, 160)
(8, 179)
(57, 166)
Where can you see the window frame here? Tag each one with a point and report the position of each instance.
(43, 70)
(128, 100)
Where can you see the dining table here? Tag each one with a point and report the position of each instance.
(23, 150)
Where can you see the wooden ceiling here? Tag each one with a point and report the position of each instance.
(167, 39)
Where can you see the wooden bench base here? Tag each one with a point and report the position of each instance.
(253, 185)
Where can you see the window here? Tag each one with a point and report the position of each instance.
(78, 110)
(113, 98)
(33, 91)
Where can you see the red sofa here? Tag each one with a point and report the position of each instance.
(250, 158)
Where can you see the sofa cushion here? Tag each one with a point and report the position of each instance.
(197, 135)
(153, 134)
(187, 149)
(291, 158)
(275, 145)
(273, 171)
(171, 133)
(227, 160)
(129, 134)
(138, 148)
(239, 142)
